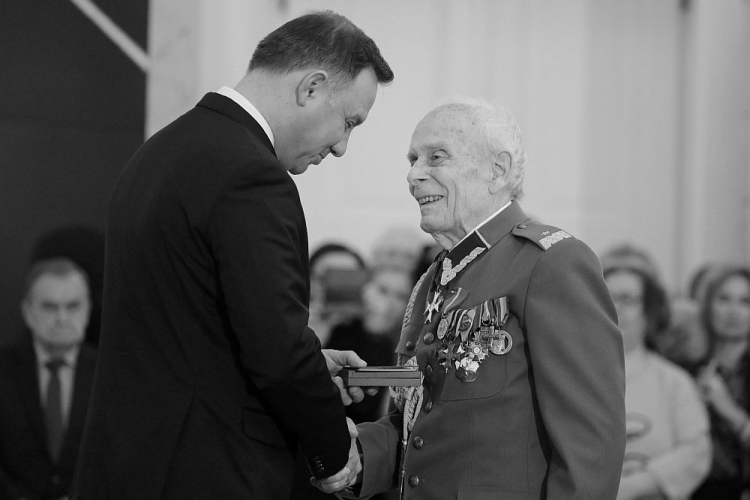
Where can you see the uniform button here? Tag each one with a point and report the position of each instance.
(429, 338)
(418, 442)
(55, 480)
(410, 346)
(428, 407)
(413, 481)
(521, 226)
(428, 371)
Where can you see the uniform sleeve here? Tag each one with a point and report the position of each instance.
(578, 371)
(258, 237)
(380, 442)
(679, 471)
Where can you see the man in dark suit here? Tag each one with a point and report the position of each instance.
(209, 378)
(45, 382)
(515, 333)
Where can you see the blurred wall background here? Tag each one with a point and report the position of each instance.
(635, 113)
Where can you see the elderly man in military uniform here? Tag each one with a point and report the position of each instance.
(513, 330)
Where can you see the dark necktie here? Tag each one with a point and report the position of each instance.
(55, 431)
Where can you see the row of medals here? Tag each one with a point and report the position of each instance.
(465, 347)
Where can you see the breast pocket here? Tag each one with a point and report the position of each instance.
(491, 351)
(493, 373)
(490, 380)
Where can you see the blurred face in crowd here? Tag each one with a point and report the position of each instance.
(325, 120)
(627, 293)
(730, 308)
(450, 177)
(56, 311)
(384, 299)
(332, 259)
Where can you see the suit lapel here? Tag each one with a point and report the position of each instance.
(229, 108)
(28, 379)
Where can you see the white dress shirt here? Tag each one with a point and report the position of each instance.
(248, 106)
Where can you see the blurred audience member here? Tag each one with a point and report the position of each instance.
(700, 279)
(334, 255)
(725, 382)
(326, 262)
(399, 247)
(374, 334)
(627, 255)
(668, 450)
(44, 384)
(84, 246)
(684, 342)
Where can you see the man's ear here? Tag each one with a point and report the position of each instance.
(311, 86)
(501, 165)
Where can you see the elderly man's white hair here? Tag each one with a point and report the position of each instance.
(497, 130)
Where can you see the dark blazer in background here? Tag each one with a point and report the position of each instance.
(26, 468)
(209, 376)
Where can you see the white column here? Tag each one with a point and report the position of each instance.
(196, 46)
(717, 150)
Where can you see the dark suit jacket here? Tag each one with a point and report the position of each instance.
(26, 469)
(209, 376)
(544, 420)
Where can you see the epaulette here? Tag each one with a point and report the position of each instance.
(543, 235)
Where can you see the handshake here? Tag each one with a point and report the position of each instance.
(347, 476)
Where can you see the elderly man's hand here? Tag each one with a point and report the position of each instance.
(338, 359)
(348, 475)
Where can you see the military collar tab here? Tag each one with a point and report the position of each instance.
(478, 241)
(461, 256)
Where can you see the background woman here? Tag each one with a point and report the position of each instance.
(668, 448)
(725, 384)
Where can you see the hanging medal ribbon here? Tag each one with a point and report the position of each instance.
(501, 342)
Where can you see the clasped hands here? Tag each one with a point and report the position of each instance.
(715, 392)
(348, 475)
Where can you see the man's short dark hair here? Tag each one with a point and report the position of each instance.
(322, 39)
(57, 266)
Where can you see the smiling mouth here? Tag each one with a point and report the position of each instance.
(428, 199)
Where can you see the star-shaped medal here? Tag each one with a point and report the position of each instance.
(433, 306)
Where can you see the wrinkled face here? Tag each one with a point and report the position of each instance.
(384, 299)
(627, 293)
(324, 126)
(449, 177)
(57, 310)
(730, 308)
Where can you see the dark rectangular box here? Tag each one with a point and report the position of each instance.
(371, 376)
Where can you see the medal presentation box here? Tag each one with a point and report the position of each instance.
(372, 376)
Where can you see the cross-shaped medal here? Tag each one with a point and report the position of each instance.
(433, 306)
